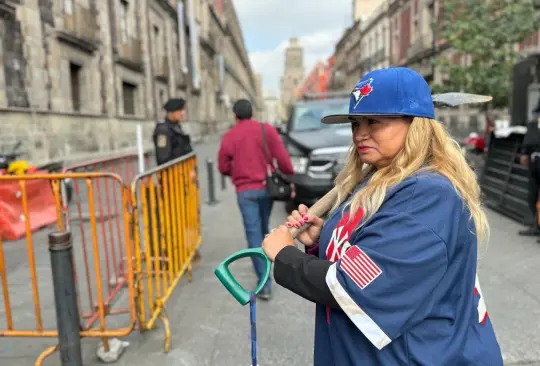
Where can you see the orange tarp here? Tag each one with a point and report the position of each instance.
(41, 207)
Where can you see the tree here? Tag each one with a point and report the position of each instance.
(487, 32)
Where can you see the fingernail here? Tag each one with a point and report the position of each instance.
(289, 224)
(306, 219)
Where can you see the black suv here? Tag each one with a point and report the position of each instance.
(317, 150)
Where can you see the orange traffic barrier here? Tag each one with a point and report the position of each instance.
(167, 200)
(141, 240)
(102, 252)
(25, 199)
(108, 211)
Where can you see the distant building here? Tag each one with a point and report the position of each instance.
(317, 80)
(258, 110)
(272, 109)
(293, 75)
(363, 8)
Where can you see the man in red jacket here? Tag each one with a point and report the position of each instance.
(241, 156)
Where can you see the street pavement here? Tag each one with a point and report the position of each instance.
(210, 328)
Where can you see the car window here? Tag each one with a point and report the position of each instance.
(308, 116)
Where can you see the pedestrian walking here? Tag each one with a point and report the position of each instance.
(393, 268)
(246, 154)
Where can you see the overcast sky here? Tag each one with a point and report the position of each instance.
(267, 26)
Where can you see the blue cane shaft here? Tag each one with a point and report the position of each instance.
(253, 329)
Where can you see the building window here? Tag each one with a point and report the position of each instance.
(129, 92)
(162, 97)
(68, 7)
(157, 43)
(124, 33)
(74, 80)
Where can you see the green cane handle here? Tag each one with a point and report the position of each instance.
(223, 273)
(231, 284)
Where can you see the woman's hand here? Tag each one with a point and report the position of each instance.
(277, 240)
(298, 218)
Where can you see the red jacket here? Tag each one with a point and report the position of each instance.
(241, 154)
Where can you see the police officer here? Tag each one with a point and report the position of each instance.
(530, 157)
(170, 140)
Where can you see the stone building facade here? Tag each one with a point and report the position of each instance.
(293, 75)
(363, 8)
(77, 76)
(317, 79)
(347, 59)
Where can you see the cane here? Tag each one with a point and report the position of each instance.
(244, 296)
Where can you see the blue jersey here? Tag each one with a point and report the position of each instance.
(406, 283)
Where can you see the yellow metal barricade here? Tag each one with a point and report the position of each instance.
(141, 241)
(167, 234)
(99, 240)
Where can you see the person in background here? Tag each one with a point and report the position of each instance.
(490, 128)
(530, 154)
(170, 140)
(241, 156)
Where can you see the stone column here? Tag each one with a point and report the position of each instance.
(145, 37)
(35, 56)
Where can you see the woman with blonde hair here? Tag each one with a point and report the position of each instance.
(392, 268)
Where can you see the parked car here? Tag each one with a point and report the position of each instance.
(317, 150)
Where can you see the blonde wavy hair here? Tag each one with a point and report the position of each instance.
(428, 147)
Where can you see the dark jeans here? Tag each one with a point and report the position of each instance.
(256, 207)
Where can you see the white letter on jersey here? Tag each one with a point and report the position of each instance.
(336, 242)
(482, 310)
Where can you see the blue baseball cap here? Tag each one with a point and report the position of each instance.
(394, 91)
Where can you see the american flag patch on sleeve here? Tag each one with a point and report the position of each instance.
(359, 267)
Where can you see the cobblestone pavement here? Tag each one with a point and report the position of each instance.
(210, 328)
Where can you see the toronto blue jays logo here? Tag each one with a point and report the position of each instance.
(362, 90)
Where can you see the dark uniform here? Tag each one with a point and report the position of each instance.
(531, 148)
(170, 140)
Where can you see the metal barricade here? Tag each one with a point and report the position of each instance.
(108, 210)
(125, 166)
(102, 256)
(144, 239)
(166, 201)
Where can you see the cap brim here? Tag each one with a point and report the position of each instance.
(346, 118)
